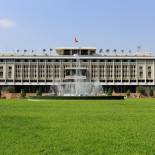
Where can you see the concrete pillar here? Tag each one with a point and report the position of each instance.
(5, 71)
(21, 72)
(37, 71)
(45, 71)
(13, 71)
(98, 70)
(121, 71)
(105, 71)
(129, 70)
(153, 72)
(145, 71)
(29, 72)
(136, 71)
(90, 70)
(60, 69)
(113, 71)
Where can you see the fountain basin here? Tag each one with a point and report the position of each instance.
(78, 97)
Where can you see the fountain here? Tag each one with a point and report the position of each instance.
(80, 86)
(77, 86)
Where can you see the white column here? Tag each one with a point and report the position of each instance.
(29, 71)
(21, 72)
(60, 67)
(129, 71)
(5, 69)
(37, 71)
(90, 74)
(14, 70)
(145, 71)
(105, 71)
(98, 70)
(121, 71)
(45, 70)
(53, 69)
(113, 71)
(153, 72)
(137, 71)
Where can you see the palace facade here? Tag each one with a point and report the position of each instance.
(119, 72)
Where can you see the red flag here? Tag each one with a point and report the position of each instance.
(76, 40)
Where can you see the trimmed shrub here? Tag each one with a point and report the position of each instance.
(8, 89)
(151, 92)
(23, 93)
(39, 92)
(128, 92)
(141, 90)
(109, 93)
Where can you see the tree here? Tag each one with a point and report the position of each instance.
(39, 92)
(51, 51)
(101, 51)
(130, 51)
(138, 48)
(44, 51)
(22, 93)
(115, 51)
(128, 92)
(141, 90)
(107, 51)
(8, 89)
(109, 93)
(122, 51)
(151, 93)
(25, 51)
(18, 51)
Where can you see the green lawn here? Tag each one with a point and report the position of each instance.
(77, 127)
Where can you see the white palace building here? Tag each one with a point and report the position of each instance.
(119, 72)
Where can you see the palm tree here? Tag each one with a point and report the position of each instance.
(51, 51)
(130, 51)
(107, 51)
(18, 51)
(115, 51)
(44, 50)
(25, 51)
(122, 51)
(138, 48)
(32, 51)
(101, 51)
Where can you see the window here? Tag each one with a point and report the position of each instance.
(9, 71)
(84, 52)
(140, 67)
(1, 71)
(149, 74)
(141, 74)
(66, 52)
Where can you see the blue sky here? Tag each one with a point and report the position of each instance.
(37, 24)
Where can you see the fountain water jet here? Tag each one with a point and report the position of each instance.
(80, 86)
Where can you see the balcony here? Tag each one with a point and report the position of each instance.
(73, 77)
(75, 68)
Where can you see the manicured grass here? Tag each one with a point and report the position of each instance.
(77, 127)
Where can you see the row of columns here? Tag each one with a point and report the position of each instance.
(61, 71)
